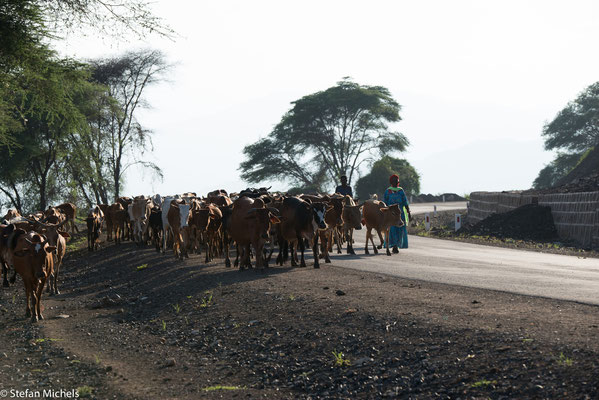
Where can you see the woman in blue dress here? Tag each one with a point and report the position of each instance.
(398, 236)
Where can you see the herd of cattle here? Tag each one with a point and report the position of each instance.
(250, 220)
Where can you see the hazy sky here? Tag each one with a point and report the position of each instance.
(477, 80)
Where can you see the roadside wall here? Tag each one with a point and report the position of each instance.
(576, 215)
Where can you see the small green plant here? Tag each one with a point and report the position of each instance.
(291, 297)
(97, 357)
(526, 340)
(483, 383)
(564, 361)
(186, 321)
(206, 300)
(340, 361)
(14, 298)
(177, 308)
(85, 391)
(220, 387)
(142, 267)
(163, 326)
(42, 340)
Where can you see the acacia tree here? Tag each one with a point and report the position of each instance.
(573, 133)
(125, 140)
(377, 180)
(325, 135)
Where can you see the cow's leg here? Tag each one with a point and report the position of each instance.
(74, 226)
(324, 246)
(40, 290)
(13, 278)
(302, 248)
(315, 251)
(293, 246)
(350, 241)
(4, 274)
(236, 262)
(338, 240)
(28, 295)
(226, 246)
(55, 277)
(387, 241)
(380, 246)
(367, 238)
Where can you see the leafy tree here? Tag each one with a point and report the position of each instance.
(325, 135)
(377, 180)
(573, 132)
(125, 140)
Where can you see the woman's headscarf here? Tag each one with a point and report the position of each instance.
(394, 180)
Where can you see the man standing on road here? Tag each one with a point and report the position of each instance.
(344, 188)
(398, 236)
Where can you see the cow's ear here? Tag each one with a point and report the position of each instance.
(274, 219)
(64, 234)
(50, 249)
(384, 209)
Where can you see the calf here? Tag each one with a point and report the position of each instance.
(33, 260)
(94, 228)
(379, 217)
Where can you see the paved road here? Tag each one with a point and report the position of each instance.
(486, 267)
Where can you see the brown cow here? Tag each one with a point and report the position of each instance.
(334, 221)
(352, 219)
(380, 217)
(207, 223)
(33, 260)
(70, 211)
(250, 225)
(127, 228)
(57, 239)
(117, 215)
(11, 214)
(178, 221)
(94, 227)
(300, 220)
(8, 234)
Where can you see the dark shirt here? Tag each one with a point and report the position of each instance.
(344, 190)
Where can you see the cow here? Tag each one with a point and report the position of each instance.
(11, 214)
(352, 219)
(127, 228)
(300, 220)
(250, 225)
(206, 222)
(155, 224)
(140, 213)
(8, 234)
(94, 227)
(32, 257)
(70, 211)
(178, 220)
(379, 217)
(118, 217)
(166, 205)
(54, 212)
(334, 221)
(106, 224)
(57, 239)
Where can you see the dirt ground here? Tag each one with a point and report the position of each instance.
(134, 324)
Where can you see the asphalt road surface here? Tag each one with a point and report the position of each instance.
(486, 267)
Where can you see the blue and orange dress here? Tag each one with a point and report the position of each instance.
(398, 236)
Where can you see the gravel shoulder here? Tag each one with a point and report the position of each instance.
(141, 325)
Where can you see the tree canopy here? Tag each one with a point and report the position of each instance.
(572, 133)
(325, 135)
(377, 180)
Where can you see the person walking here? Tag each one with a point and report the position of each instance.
(344, 188)
(398, 236)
